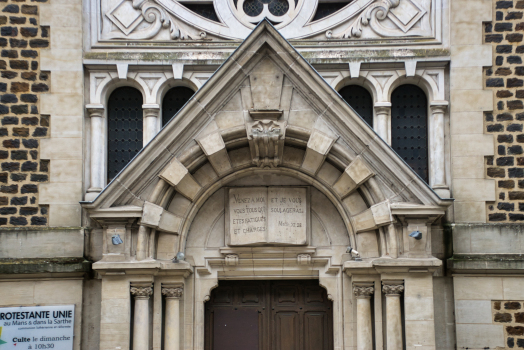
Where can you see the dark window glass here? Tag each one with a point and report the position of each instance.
(409, 127)
(360, 99)
(254, 7)
(175, 99)
(326, 9)
(124, 128)
(204, 10)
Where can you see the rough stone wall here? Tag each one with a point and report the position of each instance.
(506, 79)
(21, 84)
(511, 314)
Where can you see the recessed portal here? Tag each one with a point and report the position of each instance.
(269, 315)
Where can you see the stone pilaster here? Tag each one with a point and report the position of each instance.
(363, 293)
(141, 294)
(172, 321)
(392, 290)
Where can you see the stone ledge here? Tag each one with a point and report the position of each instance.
(486, 263)
(41, 242)
(55, 265)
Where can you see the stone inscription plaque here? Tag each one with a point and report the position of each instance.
(287, 215)
(248, 215)
(260, 215)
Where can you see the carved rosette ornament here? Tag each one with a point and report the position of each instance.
(141, 292)
(173, 292)
(392, 289)
(363, 291)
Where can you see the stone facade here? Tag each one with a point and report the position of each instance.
(23, 126)
(511, 314)
(505, 123)
(266, 172)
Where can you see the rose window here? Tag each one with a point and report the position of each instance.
(279, 12)
(254, 8)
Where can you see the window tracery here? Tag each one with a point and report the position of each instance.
(409, 127)
(173, 101)
(124, 128)
(360, 100)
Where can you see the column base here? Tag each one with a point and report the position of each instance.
(442, 190)
(91, 195)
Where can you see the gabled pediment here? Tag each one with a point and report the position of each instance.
(267, 110)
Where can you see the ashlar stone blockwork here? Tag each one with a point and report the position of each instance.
(22, 127)
(510, 313)
(506, 79)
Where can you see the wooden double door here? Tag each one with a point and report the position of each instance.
(269, 315)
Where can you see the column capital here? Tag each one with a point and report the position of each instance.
(173, 292)
(438, 106)
(363, 290)
(95, 110)
(393, 289)
(382, 107)
(142, 292)
(151, 108)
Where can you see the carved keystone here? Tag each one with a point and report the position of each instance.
(266, 137)
(156, 217)
(377, 215)
(215, 150)
(318, 147)
(355, 175)
(177, 175)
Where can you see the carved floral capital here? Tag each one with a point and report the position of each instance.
(173, 292)
(363, 291)
(141, 292)
(392, 289)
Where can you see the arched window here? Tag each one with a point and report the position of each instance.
(409, 127)
(360, 99)
(124, 128)
(175, 99)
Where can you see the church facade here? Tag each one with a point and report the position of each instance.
(262, 174)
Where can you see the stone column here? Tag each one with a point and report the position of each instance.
(151, 125)
(437, 156)
(392, 291)
(363, 292)
(381, 122)
(141, 319)
(141, 243)
(172, 324)
(96, 113)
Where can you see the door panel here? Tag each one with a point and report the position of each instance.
(269, 315)
(286, 331)
(235, 329)
(315, 330)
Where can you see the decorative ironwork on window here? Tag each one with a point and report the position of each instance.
(409, 127)
(174, 100)
(204, 10)
(254, 7)
(326, 9)
(124, 128)
(360, 100)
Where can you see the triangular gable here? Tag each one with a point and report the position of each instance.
(267, 80)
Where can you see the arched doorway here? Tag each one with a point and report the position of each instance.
(269, 315)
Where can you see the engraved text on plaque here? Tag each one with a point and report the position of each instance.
(260, 215)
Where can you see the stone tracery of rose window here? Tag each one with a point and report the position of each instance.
(164, 20)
